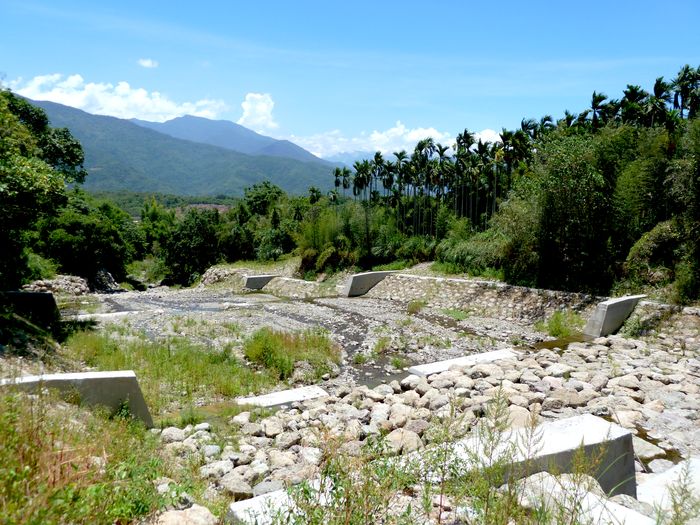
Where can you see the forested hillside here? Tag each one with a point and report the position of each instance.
(120, 155)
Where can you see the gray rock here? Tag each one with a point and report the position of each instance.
(634, 504)
(211, 450)
(172, 435)
(236, 487)
(660, 465)
(287, 439)
(252, 429)
(195, 515)
(267, 486)
(402, 441)
(310, 455)
(272, 427)
(646, 451)
(216, 469)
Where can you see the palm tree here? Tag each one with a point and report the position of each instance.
(400, 172)
(682, 86)
(656, 107)
(633, 102)
(596, 108)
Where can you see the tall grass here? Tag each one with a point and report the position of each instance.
(279, 351)
(169, 370)
(561, 324)
(59, 464)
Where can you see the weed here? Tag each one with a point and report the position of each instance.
(169, 369)
(456, 314)
(562, 323)
(278, 351)
(382, 345)
(61, 464)
(359, 358)
(398, 362)
(415, 306)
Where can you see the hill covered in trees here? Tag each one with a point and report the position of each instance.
(121, 155)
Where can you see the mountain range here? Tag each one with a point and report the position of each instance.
(185, 156)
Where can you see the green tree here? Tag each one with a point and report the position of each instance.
(193, 246)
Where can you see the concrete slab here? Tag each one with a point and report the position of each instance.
(470, 360)
(609, 315)
(552, 448)
(557, 495)
(260, 510)
(109, 389)
(656, 490)
(284, 397)
(256, 282)
(361, 283)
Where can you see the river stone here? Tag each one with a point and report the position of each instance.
(627, 381)
(646, 451)
(660, 465)
(272, 426)
(634, 504)
(410, 382)
(241, 419)
(310, 455)
(559, 370)
(417, 425)
(267, 486)
(216, 469)
(518, 416)
(252, 429)
(211, 450)
(279, 458)
(236, 487)
(287, 439)
(195, 515)
(402, 441)
(172, 435)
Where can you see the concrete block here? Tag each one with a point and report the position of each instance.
(39, 307)
(552, 448)
(284, 397)
(256, 282)
(260, 510)
(361, 283)
(609, 315)
(656, 490)
(109, 389)
(470, 360)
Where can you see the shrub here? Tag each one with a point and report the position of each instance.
(280, 351)
(561, 324)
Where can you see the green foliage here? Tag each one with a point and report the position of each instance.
(279, 352)
(261, 197)
(193, 246)
(573, 229)
(415, 306)
(61, 465)
(562, 323)
(87, 236)
(456, 314)
(168, 369)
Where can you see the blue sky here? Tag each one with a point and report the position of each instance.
(343, 76)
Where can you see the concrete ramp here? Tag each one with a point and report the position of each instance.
(284, 397)
(108, 389)
(610, 315)
(469, 360)
(361, 283)
(256, 282)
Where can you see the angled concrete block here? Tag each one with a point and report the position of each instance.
(284, 397)
(609, 315)
(256, 282)
(361, 283)
(469, 360)
(656, 491)
(260, 510)
(553, 448)
(109, 389)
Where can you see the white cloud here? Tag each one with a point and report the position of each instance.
(257, 112)
(393, 139)
(120, 100)
(487, 135)
(148, 63)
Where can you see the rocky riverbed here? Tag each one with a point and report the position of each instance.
(650, 385)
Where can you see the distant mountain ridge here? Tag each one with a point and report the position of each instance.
(123, 155)
(229, 135)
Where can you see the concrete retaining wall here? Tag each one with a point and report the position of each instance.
(483, 298)
(609, 315)
(108, 389)
(298, 288)
(257, 282)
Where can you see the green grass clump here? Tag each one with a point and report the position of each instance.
(169, 370)
(456, 314)
(562, 323)
(61, 464)
(382, 345)
(415, 306)
(279, 351)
